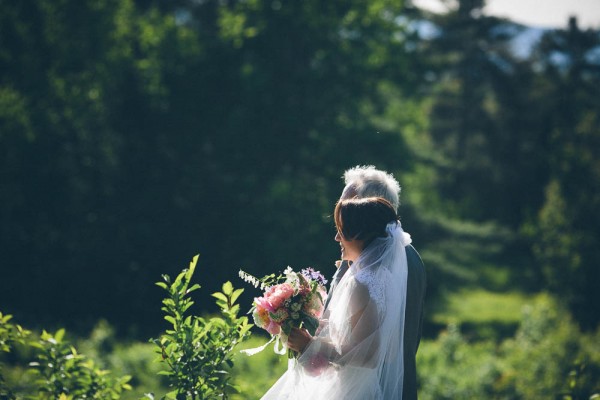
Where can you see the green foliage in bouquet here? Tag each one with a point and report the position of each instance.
(198, 351)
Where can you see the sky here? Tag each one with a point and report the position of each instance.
(535, 13)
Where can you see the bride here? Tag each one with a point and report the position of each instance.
(357, 352)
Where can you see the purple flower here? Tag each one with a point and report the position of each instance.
(311, 274)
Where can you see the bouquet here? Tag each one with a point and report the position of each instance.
(293, 299)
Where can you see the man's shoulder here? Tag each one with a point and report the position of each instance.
(413, 257)
(416, 268)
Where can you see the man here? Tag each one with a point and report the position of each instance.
(366, 181)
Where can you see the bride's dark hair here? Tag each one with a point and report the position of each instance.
(363, 219)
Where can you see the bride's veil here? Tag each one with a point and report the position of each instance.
(358, 350)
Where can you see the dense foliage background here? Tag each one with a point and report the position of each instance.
(135, 134)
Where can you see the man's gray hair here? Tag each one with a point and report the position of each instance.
(367, 181)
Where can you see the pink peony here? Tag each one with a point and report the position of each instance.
(261, 317)
(264, 304)
(277, 294)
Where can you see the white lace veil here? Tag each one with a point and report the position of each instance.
(357, 352)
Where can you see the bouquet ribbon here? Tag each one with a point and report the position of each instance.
(279, 347)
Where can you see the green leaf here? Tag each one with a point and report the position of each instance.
(286, 328)
(310, 323)
(220, 296)
(187, 305)
(162, 285)
(244, 329)
(179, 282)
(227, 288)
(194, 287)
(36, 345)
(192, 268)
(236, 294)
(168, 302)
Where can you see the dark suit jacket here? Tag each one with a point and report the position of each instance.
(413, 320)
(413, 317)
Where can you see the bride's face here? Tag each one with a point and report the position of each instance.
(350, 248)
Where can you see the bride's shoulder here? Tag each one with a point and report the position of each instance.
(371, 283)
(364, 276)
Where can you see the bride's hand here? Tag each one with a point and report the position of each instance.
(298, 339)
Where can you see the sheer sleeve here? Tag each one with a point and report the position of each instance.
(342, 340)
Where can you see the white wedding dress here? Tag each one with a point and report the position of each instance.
(357, 352)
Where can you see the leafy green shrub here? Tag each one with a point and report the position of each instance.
(548, 358)
(139, 361)
(582, 381)
(125, 357)
(61, 372)
(198, 351)
(10, 334)
(453, 368)
(57, 370)
(546, 353)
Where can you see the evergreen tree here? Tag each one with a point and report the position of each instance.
(566, 240)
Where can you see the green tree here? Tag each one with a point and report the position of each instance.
(474, 155)
(570, 104)
(134, 131)
(477, 124)
(62, 65)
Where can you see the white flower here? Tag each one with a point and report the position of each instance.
(289, 272)
(250, 279)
